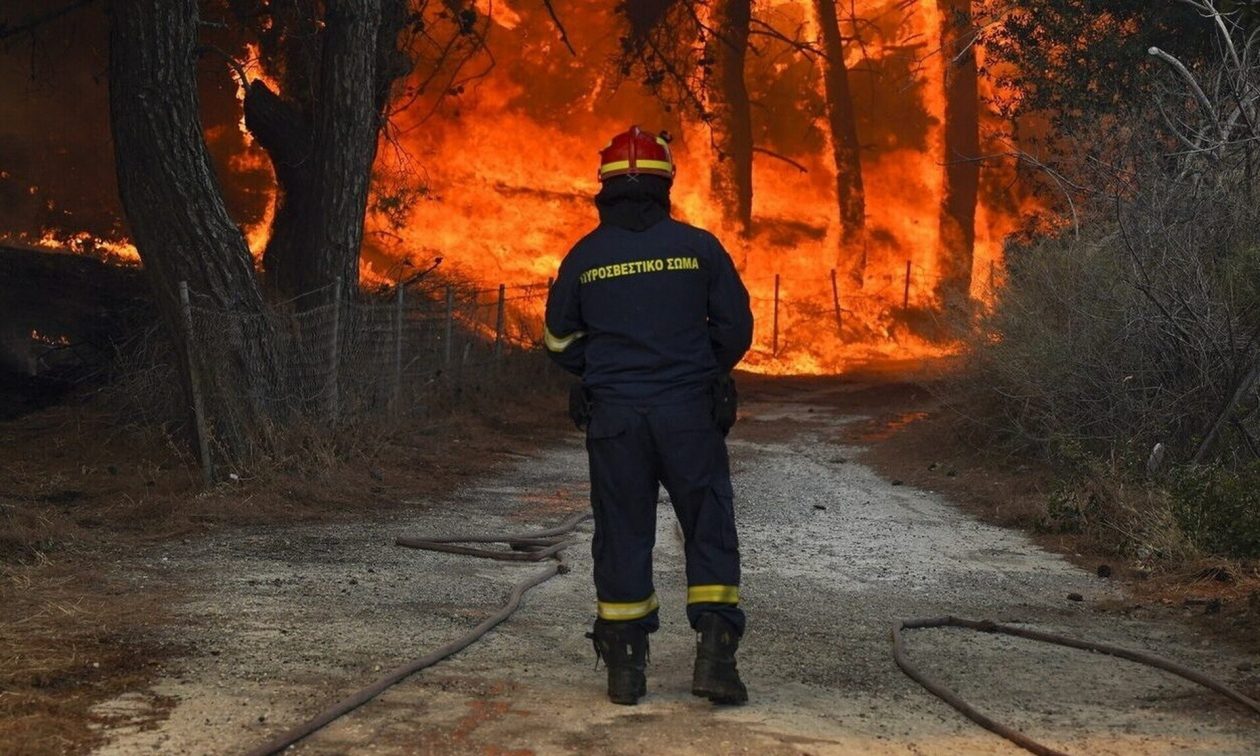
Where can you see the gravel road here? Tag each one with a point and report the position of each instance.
(284, 621)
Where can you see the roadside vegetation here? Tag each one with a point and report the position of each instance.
(1124, 346)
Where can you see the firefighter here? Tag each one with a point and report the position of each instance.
(651, 314)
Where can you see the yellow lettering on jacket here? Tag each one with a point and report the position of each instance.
(616, 270)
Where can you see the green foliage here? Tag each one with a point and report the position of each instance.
(1219, 508)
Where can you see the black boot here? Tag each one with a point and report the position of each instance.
(715, 676)
(624, 649)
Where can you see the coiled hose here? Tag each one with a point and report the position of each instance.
(987, 626)
(530, 547)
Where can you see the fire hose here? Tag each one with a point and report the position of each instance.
(549, 543)
(530, 547)
(947, 695)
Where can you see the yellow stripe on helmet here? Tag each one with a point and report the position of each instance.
(624, 165)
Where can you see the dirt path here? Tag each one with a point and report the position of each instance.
(285, 621)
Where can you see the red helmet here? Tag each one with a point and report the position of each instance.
(636, 151)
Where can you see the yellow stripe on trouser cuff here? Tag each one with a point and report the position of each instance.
(632, 610)
(557, 344)
(713, 594)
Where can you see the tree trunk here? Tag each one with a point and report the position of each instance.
(175, 210)
(845, 149)
(730, 113)
(962, 147)
(323, 143)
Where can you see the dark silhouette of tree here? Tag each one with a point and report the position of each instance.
(335, 64)
(173, 204)
(962, 152)
(845, 148)
(698, 64)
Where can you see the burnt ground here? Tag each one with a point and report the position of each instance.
(153, 618)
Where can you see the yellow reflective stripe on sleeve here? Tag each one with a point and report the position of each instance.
(713, 594)
(621, 165)
(632, 610)
(557, 344)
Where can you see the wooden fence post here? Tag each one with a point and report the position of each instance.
(398, 345)
(449, 335)
(905, 299)
(774, 344)
(500, 321)
(334, 352)
(835, 300)
(194, 384)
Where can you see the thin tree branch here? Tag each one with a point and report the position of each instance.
(784, 158)
(231, 61)
(7, 31)
(564, 36)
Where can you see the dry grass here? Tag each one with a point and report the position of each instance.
(77, 488)
(69, 639)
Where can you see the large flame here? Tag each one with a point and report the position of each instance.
(507, 192)
(498, 175)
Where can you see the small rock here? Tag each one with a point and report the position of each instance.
(1075, 597)
(897, 482)
(838, 460)
(1104, 570)
(820, 507)
(934, 465)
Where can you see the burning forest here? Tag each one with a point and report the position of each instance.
(839, 151)
(281, 277)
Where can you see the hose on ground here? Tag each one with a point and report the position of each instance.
(532, 547)
(947, 695)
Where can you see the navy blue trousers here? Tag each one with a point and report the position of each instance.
(633, 451)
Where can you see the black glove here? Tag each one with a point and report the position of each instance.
(725, 402)
(579, 406)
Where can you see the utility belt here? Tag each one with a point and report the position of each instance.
(722, 391)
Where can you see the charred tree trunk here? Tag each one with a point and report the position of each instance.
(175, 210)
(850, 194)
(730, 115)
(962, 148)
(322, 138)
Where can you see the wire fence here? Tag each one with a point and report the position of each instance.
(354, 357)
(350, 358)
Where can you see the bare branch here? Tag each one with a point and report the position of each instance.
(1189, 77)
(231, 61)
(784, 158)
(31, 24)
(564, 36)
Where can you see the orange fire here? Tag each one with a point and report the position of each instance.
(502, 174)
(508, 192)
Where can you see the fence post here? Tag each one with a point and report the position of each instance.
(500, 321)
(449, 335)
(199, 409)
(398, 345)
(835, 300)
(905, 298)
(774, 344)
(334, 351)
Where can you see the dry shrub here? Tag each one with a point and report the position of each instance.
(1128, 351)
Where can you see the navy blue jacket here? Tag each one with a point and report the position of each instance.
(648, 317)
